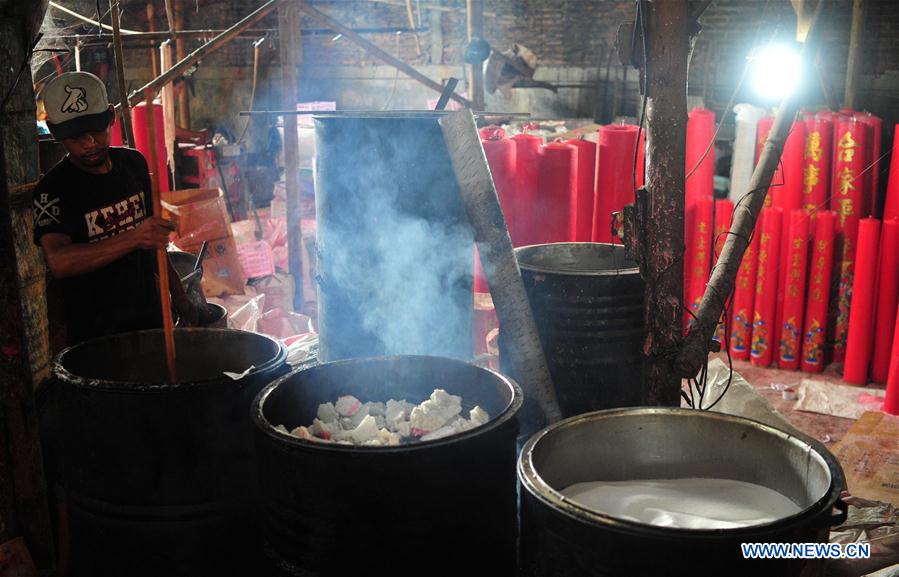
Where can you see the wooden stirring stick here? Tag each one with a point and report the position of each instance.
(162, 259)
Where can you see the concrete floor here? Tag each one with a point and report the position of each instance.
(826, 428)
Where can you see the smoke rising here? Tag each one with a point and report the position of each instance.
(395, 248)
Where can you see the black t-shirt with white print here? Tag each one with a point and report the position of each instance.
(121, 296)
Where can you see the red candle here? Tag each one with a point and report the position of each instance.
(115, 133)
(641, 158)
(789, 198)
(724, 211)
(815, 326)
(500, 153)
(891, 208)
(614, 176)
(582, 220)
(817, 157)
(556, 192)
(766, 287)
(527, 158)
(698, 237)
(142, 140)
(891, 403)
(874, 127)
(794, 289)
(744, 298)
(700, 132)
(761, 134)
(861, 315)
(887, 299)
(848, 200)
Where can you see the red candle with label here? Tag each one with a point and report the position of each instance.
(789, 198)
(743, 304)
(887, 299)
(763, 349)
(724, 211)
(556, 193)
(698, 238)
(848, 201)
(794, 291)
(817, 161)
(815, 326)
(582, 219)
(700, 132)
(614, 176)
(527, 159)
(861, 315)
(761, 136)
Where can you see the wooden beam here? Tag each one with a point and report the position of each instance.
(180, 53)
(86, 20)
(380, 54)
(151, 25)
(125, 110)
(206, 49)
(855, 52)
(475, 13)
(667, 38)
(289, 52)
(696, 345)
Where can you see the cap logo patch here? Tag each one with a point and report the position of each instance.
(75, 101)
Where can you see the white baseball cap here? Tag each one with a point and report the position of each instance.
(76, 103)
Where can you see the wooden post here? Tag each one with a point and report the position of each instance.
(24, 343)
(162, 258)
(667, 40)
(855, 40)
(288, 25)
(151, 26)
(180, 53)
(125, 109)
(475, 12)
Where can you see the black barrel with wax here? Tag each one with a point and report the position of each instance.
(434, 507)
(160, 478)
(394, 248)
(560, 536)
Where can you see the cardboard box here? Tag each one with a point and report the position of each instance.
(198, 213)
(222, 273)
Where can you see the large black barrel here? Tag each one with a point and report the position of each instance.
(159, 478)
(413, 509)
(394, 247)
(561, 537)
(587, 301)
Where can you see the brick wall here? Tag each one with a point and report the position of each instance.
(564, 33)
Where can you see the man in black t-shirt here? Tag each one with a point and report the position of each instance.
(92, 217)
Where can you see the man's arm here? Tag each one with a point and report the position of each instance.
(65, 258)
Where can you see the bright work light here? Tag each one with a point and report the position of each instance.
(776, 71)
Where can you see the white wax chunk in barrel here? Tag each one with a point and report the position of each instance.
(690, 503)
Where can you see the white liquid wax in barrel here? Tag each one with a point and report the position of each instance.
(690, 503)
